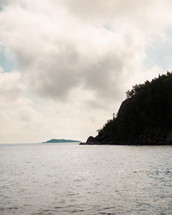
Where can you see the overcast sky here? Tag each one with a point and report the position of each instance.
(65, 65)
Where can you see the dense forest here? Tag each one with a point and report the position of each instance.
(145, 117)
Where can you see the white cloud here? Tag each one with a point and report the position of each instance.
(147, 14)
(1, 70)
(11, 86)
(60, 60)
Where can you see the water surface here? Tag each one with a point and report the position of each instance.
(49, 179)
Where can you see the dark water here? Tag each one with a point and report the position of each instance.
(65, 179)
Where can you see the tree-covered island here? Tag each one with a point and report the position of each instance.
(144, 118)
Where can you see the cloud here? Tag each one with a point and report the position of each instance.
(11, 86)
(21, 123)
(58, 60)
(74, 57)
(147, 14)
(1, 70)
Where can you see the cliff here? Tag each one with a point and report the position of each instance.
(144, 118)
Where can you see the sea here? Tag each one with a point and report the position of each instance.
(68, 178)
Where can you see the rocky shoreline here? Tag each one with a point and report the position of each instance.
(158, 139)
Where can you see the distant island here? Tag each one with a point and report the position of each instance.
(61, 141)
(144, 118)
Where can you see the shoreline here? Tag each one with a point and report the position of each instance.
(144, 141)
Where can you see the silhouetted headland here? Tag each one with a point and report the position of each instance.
(144, 118)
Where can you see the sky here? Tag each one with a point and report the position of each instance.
(65, 65)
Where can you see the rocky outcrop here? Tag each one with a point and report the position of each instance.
(156, 139)
(98, 141)
(91, 141)
(126, 105)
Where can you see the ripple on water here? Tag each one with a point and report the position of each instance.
(8, 210)
(44, 180)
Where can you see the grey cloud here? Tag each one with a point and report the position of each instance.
(149, 13)
(103, 75)
(55, 73)
(59, 58)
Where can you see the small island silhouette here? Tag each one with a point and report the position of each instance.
(61, 141)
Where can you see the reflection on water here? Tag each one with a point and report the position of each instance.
(48, 179)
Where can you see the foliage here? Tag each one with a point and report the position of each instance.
(147, 108)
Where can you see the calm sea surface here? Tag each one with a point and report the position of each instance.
(48, 179)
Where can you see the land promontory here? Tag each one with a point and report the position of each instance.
(144, 117)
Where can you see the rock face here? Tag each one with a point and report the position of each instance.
(98, 141)
(91, 141)
(159, 138)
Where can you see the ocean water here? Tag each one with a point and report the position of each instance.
(49, 179)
